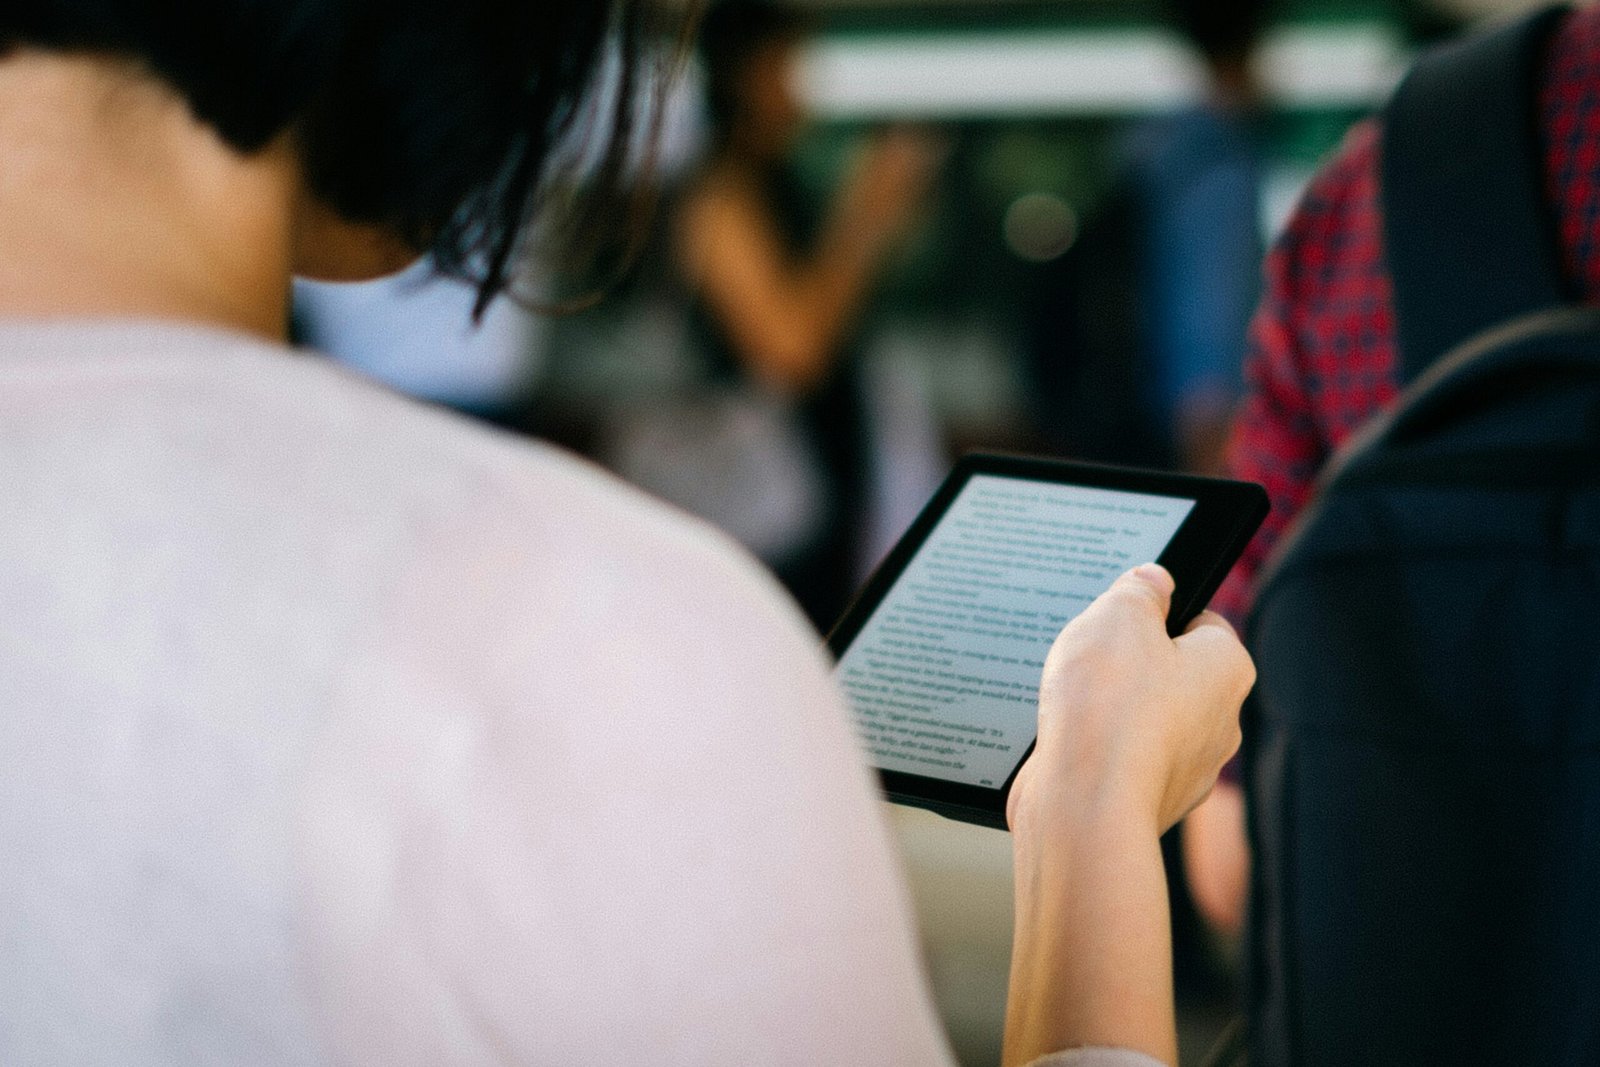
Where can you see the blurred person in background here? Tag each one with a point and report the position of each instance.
(1199, 172)
(338, 729)
(780, 280)
(1137, 335)
(1322, 359)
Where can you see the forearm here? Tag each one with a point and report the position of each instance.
(784, 314)
(1216, 858)
(1091, 964)
(833, 282)
(826, 293)
(1133, 726)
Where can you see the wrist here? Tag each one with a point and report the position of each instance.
(1091, 813)
(1101, 776)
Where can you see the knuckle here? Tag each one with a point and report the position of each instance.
(1133, 598)
(1245, 669)
(1065, 677)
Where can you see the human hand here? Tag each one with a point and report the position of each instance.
(892, 177)
(1130, 719)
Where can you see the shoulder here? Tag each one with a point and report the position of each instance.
(499, 514)
(1569, 113)
(1333, 239)
(1571, 71)
(1192, 139)
(597, 744)
(534, 578)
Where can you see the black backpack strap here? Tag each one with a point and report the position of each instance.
(1470, 238)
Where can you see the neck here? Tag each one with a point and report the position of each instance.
(115, 201)
(1234, 84)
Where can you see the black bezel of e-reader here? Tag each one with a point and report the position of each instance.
(1225, 516)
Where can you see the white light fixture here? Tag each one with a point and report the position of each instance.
(930, 76)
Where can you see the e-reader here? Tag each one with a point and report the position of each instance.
(941, 653)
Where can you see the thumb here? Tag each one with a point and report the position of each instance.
(1149, 584)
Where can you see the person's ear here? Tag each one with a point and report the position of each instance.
(332, 249)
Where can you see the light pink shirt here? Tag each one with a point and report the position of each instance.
(335, 730)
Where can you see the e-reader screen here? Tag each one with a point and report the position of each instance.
(944, 675)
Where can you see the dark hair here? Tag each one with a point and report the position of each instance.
(445, 121)
(730, 35)
(1223, 30)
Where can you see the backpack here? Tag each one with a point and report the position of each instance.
(1422, 753)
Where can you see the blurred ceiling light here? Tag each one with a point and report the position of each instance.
(1088, 72)
(1331, 66)
(1040, 226)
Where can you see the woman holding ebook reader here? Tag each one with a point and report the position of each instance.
(338, 730)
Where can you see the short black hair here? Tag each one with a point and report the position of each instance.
(444, 121)
(732, 32)
(1223, 30)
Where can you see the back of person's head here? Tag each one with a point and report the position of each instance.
(439, 121)
(731, 35)
(1224, 31)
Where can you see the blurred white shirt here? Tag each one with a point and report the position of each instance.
(413, 331)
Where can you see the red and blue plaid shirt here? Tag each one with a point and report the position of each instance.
(1322, 346)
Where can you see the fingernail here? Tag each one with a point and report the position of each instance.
(1156, 575)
